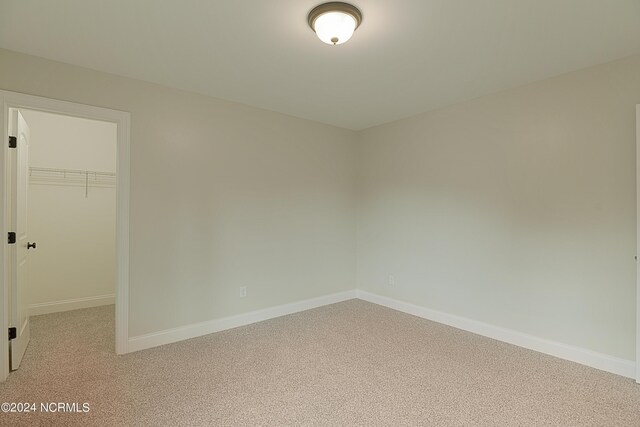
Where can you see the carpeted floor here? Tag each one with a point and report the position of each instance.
(352, 363)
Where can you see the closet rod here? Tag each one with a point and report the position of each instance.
(71, 171)
(70, 176)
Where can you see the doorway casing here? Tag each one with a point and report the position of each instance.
(122, 120)
(638, 243)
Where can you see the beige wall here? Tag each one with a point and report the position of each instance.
(515, 209)
(75, 231)
(222, 196)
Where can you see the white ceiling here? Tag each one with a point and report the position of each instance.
(408, 56)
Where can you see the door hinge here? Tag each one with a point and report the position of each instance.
(13, 333)
(12, 237)
(13, 142)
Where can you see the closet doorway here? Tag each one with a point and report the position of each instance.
(58, 152)
(71, 223)
(71, 212)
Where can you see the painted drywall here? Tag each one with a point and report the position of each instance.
(222, 196)
(515, 209)
(74, 227)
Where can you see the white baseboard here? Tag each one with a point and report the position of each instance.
(70, 304)
(604, 362)
(204, 328)
(626, 368)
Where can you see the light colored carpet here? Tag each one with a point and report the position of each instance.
(352, 363)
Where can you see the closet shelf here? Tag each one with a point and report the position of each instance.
(72, 177)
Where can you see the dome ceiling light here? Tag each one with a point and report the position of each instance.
(334, 22)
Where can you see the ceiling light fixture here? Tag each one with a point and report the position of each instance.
(334, 22)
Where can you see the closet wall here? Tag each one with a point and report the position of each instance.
(72, 223)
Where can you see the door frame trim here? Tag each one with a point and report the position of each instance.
(637, 243)
(123, 165)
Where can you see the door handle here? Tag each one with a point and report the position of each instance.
(31, 245)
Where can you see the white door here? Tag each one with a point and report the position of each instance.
(19, 266)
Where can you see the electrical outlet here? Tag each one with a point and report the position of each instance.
(243, 292)
(391, 280)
